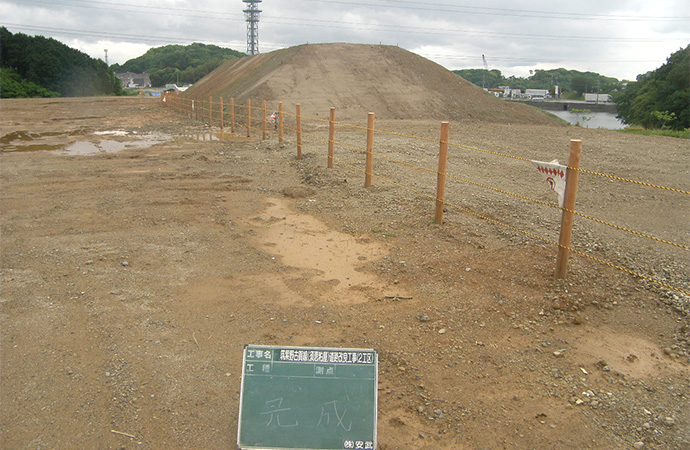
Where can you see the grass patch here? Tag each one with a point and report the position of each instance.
(685, 134)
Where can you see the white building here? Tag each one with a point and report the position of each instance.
(134, 80)
(537, 94)
(598, 98)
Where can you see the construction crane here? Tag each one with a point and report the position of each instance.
(486, 70)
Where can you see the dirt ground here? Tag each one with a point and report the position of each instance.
(140, 253)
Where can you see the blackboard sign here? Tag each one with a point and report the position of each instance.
(308, 398)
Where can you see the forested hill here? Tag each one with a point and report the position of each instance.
(39, 66)
(178, 63)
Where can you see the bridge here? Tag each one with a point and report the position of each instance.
(569, 105)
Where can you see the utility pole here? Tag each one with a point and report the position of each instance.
(251, 15)
(106, 56)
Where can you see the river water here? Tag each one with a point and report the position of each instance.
(596, 119)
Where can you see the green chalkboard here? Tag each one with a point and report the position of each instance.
(308, 398)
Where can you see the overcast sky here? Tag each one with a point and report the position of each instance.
(617, 38)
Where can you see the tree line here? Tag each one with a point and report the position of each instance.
(572, 83)
(178, 64)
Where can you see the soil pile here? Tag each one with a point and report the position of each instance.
(355, 78)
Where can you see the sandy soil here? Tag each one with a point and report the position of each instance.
(139, 257)
(355, 78)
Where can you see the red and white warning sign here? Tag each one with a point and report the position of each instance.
(555, 177)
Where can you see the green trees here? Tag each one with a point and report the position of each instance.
(14, 86)
(489, 78)
(572, 82)
(178, 63)
(659, 99)
(38, 61)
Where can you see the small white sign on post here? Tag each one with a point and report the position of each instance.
(555, 177)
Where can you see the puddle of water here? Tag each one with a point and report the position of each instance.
(83, 148)
(22, 141)
(328, 261)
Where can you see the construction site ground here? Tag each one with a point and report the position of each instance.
(140, 253)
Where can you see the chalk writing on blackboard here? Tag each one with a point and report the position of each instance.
(329, 408)
(276, 411)
(308, 398)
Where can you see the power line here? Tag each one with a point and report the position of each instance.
(454, 31)
(168, 11)
(168, 39)
(300, 21)
(421, 6)
(444, 7)
(105, 34)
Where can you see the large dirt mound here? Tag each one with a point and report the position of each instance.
(355, 78)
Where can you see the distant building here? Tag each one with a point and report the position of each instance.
(537, 94)
(598, 98)
(134, 80)
(507, 92)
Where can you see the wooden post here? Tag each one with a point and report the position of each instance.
(263, 116)
(221, 113)
(441, 179)
(571, 178)
(280, 122)
(249, 118)
(368, 171)
(232, 115)
(299, 132)
(331, 137)
(210, 110)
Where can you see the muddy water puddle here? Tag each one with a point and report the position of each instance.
(94, 143)
(327, 265)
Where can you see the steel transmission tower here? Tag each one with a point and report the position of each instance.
(251, 15)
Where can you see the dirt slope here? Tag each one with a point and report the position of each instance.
(390, 81)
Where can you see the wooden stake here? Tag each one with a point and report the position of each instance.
(232, 115)
(368, 171)
(441, 179)
(299, 132)
(331, 137)
(263, 118)
(280, 122)
(221, 113)
(571, 178)
(249, 118)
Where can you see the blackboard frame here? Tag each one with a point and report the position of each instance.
(308, 398)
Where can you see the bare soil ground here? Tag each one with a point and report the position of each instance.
(138, 261)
